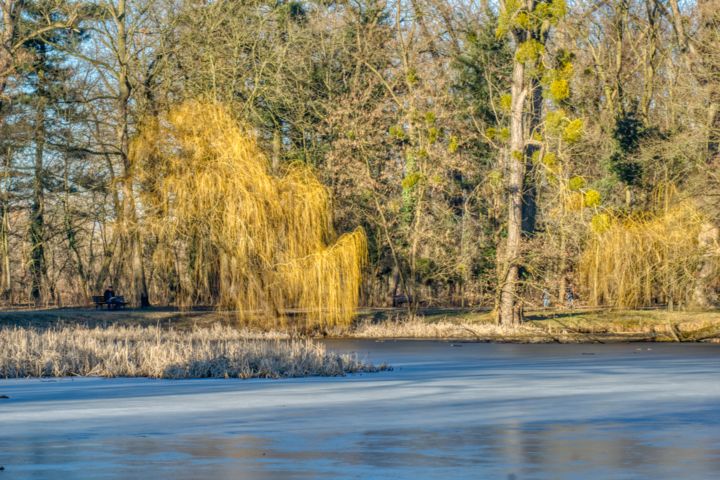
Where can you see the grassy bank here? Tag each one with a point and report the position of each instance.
(92, 317)
(580, 325)
(542, 326)
(117, 351)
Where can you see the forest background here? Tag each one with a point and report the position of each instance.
(493, 153)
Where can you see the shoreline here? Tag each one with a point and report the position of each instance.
(598, 340)
(441, 324)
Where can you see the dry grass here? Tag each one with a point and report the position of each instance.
(117, 351)
(573, 326)
(657, 325)
(419, 327)
(90, 317)
(578, 325)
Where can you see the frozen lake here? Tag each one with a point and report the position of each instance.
(479, 411)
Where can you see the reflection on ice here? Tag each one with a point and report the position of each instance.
(480, 411)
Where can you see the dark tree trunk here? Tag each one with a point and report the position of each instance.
(37, 211)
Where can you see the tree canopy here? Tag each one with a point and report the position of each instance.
(225, 153)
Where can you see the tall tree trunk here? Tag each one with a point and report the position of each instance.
(621, 20)
(529, 213)
(649, 59)
(133, 239)
(698, 60)
(70, 231)
(5, 244)
(510, 309)
(37, 211)
(5, 231)
(529, 41)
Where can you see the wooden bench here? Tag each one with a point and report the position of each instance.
(99, 301)
(400, 300)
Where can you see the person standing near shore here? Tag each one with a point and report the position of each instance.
(546, 299)
(570, 296)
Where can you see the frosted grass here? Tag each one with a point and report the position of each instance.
(117, 351)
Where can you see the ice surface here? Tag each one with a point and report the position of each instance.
(464, 411)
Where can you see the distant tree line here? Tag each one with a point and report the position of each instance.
(494, 153)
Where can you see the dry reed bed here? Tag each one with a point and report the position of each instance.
(420, 328)
(218, 352)
(656, 325)
(663, 328)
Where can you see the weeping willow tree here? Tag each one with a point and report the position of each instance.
(635, 261)
(228, 232)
